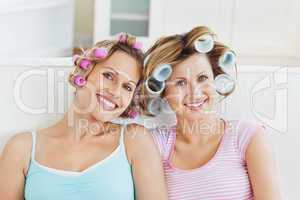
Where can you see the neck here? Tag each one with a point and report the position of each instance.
(79, 125)
(199, 131)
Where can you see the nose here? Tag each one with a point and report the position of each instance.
(114, 88)
(195, 90)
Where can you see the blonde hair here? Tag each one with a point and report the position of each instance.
(176, 48)
(111, 46)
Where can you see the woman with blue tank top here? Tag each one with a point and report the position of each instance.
(84, 155)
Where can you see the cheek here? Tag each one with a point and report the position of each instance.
(126, 97)
(212, 93)
(209, 89)
(85, 99)
(101, 83)
(83, 96)
(174, 95)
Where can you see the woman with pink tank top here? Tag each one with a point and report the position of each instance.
(205, 156)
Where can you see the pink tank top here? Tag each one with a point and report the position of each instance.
(224, 177)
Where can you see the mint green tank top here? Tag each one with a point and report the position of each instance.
(109, 179)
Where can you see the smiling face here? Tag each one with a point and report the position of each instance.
(190, 91)
(110, 86)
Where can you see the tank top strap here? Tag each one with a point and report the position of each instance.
(122, 138)
(33, 133)
(170, 143)
(122, 143)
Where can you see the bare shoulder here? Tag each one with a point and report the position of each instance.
(137, 134)
(259, 144)
(138, 142)
(262, 166)
(19, 143)
(259, 137)
(17, 149)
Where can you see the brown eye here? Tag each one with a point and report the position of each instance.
(181, 83)
(128, 88)
(202, 78)
(108, 75)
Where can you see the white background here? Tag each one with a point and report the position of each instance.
(50, 87)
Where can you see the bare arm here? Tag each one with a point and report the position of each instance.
(262, 167)
(13, 162)
(146, 165)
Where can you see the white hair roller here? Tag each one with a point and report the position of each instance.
(204, 44)
(155, 106)
(227, 60)
(162, 72)
(224, 84)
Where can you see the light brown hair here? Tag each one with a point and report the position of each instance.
(176, 48)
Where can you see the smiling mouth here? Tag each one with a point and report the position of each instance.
(106, 103)
(196, 105)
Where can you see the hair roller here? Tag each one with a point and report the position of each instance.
(75, 58)
(154, 87)
(227, 60)
(137, 45)
(203, 34)
(154, 106)
(77, 81)
(85, 64)
(100, 52)
(224, 84)
(162, 72)
(122, 37)
(204, 43)
(132, 113)
(127, 39)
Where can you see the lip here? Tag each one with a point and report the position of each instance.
(196, 105)
(106, 102)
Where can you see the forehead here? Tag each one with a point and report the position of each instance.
(125, 65)
(193, 65)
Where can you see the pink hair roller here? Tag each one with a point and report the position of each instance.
(74, 58)
(122, 37)
(100, 52)
(85, 64)
(86, 53)
(132, 114)
(137, 45)
(79, 80)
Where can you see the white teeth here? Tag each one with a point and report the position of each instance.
(194, 104)
(197, 104)
(107, 103)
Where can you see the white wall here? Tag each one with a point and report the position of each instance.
(271, 96)
(266, 94)
(262, 32)
(84, 23)
(36, 28)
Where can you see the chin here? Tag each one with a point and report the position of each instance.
(194, 116)
(105, 117)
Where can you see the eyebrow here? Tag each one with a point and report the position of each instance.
(133, 82)
(179, 78)
(201, 73)
(118, 74)
(111, 69)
